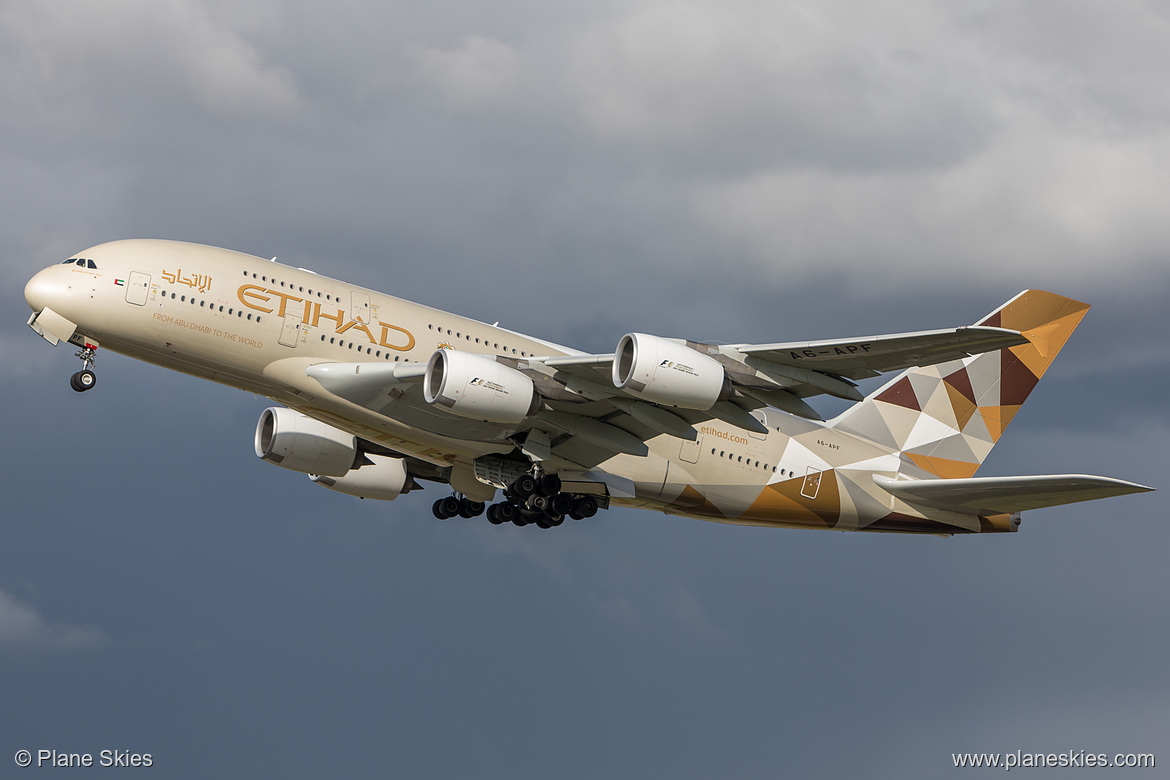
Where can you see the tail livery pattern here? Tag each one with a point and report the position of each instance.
(944, 419)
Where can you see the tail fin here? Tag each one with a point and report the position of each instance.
(946, 418)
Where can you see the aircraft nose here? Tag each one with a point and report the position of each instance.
(39, 290)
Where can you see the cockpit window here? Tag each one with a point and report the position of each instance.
(92, 264)
(81, 262)
(70, 260)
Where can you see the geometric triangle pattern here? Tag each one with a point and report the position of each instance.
(945, 418)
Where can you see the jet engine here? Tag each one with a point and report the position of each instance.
(478, 388)
(384, 478)
(668, 372)
(295, 441)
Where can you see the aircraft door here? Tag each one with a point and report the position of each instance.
(137, 288)
(360, 307)
(290, 333)
(690, 450)
(812, 483)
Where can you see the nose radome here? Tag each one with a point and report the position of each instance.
(39, 289)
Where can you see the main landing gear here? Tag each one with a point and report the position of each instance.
(529, 500)
(85, 378)
(446, 508)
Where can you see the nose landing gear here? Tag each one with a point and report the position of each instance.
(85, 378)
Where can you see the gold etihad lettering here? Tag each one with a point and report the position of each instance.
(203, 283)
(254, 296)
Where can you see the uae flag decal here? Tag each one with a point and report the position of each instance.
(120, 282)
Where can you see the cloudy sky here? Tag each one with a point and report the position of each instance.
(735, 170)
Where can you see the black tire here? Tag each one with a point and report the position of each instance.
(538, 503)
(476, 508)
(543, 523)
(506, 513)
(586, 506)
(449, 506)
(549, 485)
(83, 380)
(437, 510)
(523, 487)
(492, 517)
(555, 520)
(560, 504)
(576, 516)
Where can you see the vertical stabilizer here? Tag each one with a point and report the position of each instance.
(946, 418)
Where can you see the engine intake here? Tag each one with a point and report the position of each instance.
(384, 478)
(297, 442)
(478, 388)
(668, 372)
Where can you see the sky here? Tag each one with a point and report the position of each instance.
(741, 170)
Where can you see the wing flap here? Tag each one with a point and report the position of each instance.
(1000, 495)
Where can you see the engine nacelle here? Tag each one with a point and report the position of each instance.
(668, 372)
(294, 441)
(384, 478)
(478, 388)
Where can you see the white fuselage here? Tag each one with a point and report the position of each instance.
(258, 325)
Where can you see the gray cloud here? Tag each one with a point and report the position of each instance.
(23, 628)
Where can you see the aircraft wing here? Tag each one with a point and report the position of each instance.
(580, 398)
(1005, 495)
(805, 368)
(868, 356)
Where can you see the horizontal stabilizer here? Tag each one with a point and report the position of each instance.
(1004, 495)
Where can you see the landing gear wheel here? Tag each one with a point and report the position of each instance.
(549, 485)
(83, 380)
(560, 504)
(446, 508)
(493, 515)
(505, 513)
(585, 506)
(523, 487)
(469, 508)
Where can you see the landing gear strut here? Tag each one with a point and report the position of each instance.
(85, 378)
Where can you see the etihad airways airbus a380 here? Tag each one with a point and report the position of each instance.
(380, 394)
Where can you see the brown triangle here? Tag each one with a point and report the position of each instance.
(1015, 381)
(962, 404)
(945, 467)
(901, 394)
(961, 382)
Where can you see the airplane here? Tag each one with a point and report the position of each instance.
(379, 394)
